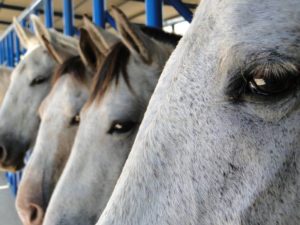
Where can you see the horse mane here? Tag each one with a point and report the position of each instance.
(160, 35)
(114, 64)
(72, 66)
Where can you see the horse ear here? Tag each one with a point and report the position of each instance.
(88, 52)
(132, 36)
(58, 45)
(39, 28)
(27, 39)
(53, 52)
(103, 39)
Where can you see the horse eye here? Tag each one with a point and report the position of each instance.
(75, 120)
(271, 85)
(121, 127)
(38, 80)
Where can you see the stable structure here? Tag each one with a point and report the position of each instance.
(66, 16)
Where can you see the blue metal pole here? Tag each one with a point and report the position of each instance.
(10, 44)
(11, 49)
(17, 46)
(6, 49)
(183, 10)
(1, 53)
(36, 11)
(154, 13)
(68, 18)
(48, 9)
(23, 23)
(111, 20)
(14, 184)
(99, 13)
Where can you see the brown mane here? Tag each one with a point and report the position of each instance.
(114, 65)
(73, 66)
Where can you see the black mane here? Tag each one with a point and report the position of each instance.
(160, 35)
(73, 66)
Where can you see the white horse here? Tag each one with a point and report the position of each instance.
(59, 113)
(30, 83)
(109, 122)
(5, 74)
(219, 143)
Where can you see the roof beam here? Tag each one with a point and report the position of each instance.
(189, 5)
(11, 7)
(2, 22)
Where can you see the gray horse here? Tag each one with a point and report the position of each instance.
(59, 115)
(30, 83)
(219, 143)
(109, 122)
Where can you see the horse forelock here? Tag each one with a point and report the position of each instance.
(72, 66)
(115, 63)
(111, 68)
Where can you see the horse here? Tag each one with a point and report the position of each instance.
(109, 122)
(30, 83)
(5, 73)
(59, 117)
(219, 142)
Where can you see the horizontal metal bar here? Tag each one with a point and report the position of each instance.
(189, 5)
(182, 9)
(22, 16)
(11, 7)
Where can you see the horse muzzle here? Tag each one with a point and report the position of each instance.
(12, 154)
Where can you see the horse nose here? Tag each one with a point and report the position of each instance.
(33, 215)
(12, 151)
(3, 154)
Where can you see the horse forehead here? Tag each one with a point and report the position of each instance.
(236, 29)
(67, 93)
(35, 62)
(39, 58)
(67, 87)
(259, 17)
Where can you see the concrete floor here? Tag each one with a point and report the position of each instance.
(8, 214)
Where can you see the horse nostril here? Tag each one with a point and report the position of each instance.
(36, 214)
(3, 154)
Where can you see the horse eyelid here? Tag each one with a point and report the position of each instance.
(39, 80)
